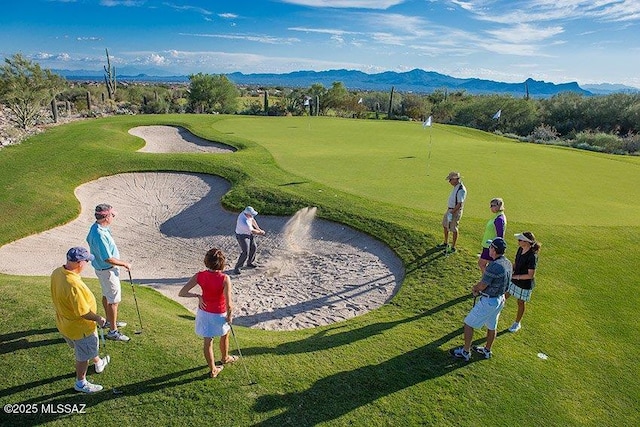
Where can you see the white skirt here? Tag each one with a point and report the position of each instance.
(211, 324)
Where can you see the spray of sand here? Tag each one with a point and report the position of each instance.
(296, 234)
(297, 229)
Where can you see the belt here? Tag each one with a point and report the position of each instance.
(104, 269)
(482, 294)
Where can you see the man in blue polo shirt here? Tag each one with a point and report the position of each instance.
(491, 288)
(106, 263)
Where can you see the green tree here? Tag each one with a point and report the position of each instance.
(25, 89)
(415, 106)
(337, 98)
(212, 94)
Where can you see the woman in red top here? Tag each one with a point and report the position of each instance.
(213, 316)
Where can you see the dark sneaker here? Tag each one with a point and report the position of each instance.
(252, 266)
(461, 354)
(451, 250)
(483, 351)
(442, 246)
(236, 271)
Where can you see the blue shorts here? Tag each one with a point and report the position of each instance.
(485, 313)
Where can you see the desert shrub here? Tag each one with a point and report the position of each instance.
(598, 141)
(631, 143)
(543, 133)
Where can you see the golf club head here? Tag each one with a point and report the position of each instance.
(137, 332)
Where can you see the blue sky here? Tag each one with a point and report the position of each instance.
(596, 41)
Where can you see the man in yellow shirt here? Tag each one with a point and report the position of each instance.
(76, 316)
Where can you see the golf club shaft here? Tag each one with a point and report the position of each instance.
(104, 343)
(240, 353)
(135, 299)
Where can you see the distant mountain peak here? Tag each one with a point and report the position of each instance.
(416, 80)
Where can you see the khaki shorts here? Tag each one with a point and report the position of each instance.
(110, 284)
(85, 348)
(453, 225)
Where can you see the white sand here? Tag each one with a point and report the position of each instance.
(311, 272)
(171, 139)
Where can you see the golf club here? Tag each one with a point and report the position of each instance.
(104, 348)
(241, 358)
(138, 332)
(104, 342)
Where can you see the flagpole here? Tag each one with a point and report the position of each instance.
(429, 157)
(430, 125)
(496, 117)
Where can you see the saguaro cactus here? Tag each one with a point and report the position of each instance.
(54, 110)
(390, 103)
(110, 77)
(266, 101)
(88, 100)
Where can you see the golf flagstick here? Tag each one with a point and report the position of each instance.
(136, 301)
(428, 124)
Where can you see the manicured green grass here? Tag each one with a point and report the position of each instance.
(389, 367)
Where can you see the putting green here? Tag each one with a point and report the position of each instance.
(405, 164)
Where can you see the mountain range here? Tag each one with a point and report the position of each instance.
(418, 81)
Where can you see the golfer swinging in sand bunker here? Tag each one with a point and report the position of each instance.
(312, 273)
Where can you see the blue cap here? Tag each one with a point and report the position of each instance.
(499, 244)
(79, 254)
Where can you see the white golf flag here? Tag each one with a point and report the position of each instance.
(427, 122)
(497, 115)
(306, 102)
(360, 101)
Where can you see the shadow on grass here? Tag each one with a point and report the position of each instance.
(331, 397)
(325, 340)
(14, 341)
(69, 396)
(421, 261)
(294, 183)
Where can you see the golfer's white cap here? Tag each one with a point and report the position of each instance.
(249, 210)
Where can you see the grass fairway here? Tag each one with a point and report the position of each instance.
(389, 367)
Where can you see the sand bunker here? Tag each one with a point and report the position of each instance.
(311, 272)
(172, 139)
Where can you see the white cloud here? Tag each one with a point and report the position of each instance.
(228, 15)
(520, 33)
(88, 39)
(156, 59)
(253, 38)
(354, 4)
(331, 31)
(189, 8)
(128, 3)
